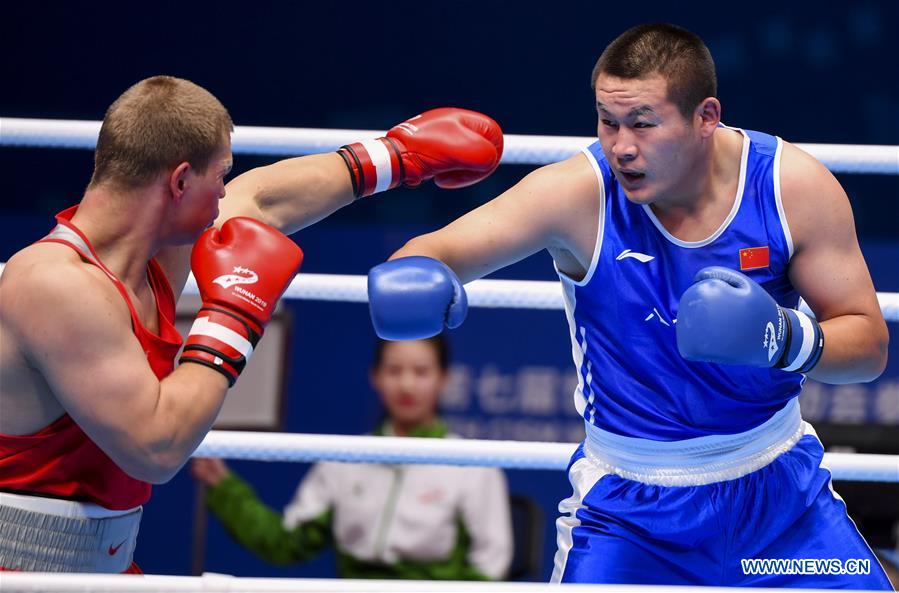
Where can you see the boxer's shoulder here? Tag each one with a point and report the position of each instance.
(43, 259)
(45, 280)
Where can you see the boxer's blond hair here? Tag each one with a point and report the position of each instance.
(155, 125)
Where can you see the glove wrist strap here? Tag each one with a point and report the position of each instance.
(374, 165)
(804, 344)
(221, 340)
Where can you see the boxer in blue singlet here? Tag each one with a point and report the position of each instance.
(683, 247)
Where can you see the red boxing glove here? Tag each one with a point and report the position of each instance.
(455, 147)
(241, 270)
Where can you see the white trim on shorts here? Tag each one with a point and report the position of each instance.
(69, 509)
(697, 461)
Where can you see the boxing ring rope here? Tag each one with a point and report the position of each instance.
(105, 583)
(519, 149)
(496, 294)
(266, 446)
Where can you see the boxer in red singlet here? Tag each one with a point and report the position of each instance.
(92, 408)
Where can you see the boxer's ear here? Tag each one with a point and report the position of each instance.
(179, 180)
(708, 116)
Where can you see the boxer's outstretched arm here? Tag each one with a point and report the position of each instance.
(290, 194)
(455, 147)
(287, 195)
(419, 291)
(552, 208)
(829, 271)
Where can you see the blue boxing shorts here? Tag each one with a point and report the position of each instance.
(755, 509)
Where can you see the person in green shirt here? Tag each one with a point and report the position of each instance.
(385, 521)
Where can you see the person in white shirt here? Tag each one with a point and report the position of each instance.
(385, 521)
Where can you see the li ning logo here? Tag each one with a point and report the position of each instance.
(641, 257)
(238, 276)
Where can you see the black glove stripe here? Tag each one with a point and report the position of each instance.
(238, 363)
(231, 378)
(346, 160)
(399, 158)
(360, 187)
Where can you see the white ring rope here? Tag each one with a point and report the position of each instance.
(494, 294)
(106, 583)
(266, 446)
(519, 149)
(509, 454)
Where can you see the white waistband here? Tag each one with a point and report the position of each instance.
(703, 460)
(40, 534)
(59, 507)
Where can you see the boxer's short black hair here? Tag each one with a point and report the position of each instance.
(676, 54)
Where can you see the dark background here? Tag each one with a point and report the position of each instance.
(797, 69)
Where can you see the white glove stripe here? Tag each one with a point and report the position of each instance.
(203, 327)
(380, 158)
(808, 341)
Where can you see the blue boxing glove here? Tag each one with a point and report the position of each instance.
(412, 298)
(726, 317)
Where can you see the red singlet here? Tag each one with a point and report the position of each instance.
(60, 460)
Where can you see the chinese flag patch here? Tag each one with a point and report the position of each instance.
(753, 258)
